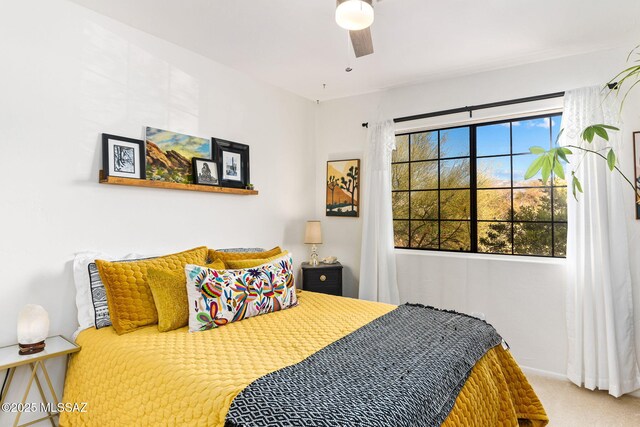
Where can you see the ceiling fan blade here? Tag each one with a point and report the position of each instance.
(362, 42)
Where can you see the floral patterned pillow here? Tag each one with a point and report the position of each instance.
(218, 297)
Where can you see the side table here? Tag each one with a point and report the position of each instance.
(56, 346)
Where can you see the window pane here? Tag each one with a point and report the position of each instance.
(494, 204)
(431, 174)
(400, 203)
(532, 204)
(401, 233)
(528, 133)
(494, 172)
(520, 166)
(454, 142)
(560, 240)
(455, 173)
(400, 176)
(424, 205)
(424, 146)
(424, 175)
(455, 204)
(401, 153)
(493, 139)
(455, 235)
(424, 234)
(555, 129)
(532, 239)
(494, 237)
(560, 204)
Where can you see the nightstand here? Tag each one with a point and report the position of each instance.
(10, 359)
(324, 278)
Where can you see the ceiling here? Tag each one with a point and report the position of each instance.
(296, 44)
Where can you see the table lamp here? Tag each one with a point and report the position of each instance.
(33, 328)
(313, 237)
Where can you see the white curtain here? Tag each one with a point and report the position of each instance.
(378, 280)
(599, 303)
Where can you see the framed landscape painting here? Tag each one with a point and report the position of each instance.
(170, 155)
(343, 188)
(636, 162)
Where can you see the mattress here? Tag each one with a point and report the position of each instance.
(190, 379)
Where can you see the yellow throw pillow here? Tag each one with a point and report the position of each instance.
(250, 263)
(226, 256)
(129, 297)
(216, 265)
(170, 296)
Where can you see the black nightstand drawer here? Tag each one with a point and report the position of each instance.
(324, 275)
(324, 278)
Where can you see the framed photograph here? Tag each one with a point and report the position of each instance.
(205, 171)
(123, 157)
(636, 163)
(233, 163)
(170, 154)
(343, 188)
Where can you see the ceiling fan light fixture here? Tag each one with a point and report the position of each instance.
(354, 15)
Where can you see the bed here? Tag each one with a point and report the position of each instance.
(179, 378)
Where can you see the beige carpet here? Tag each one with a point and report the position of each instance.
(568, 405)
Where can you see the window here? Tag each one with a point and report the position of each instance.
(463, 189)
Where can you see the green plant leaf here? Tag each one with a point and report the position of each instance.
(562, 153)
(547, 165)
(558, 169)
(575, 185)
(601, 132)
(588, 133)
(535, 167)
(611, 160)
(559, 135)
(537, 150)
(609, 127)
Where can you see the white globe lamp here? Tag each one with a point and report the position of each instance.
(33, 328)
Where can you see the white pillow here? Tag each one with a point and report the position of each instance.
(86, 313)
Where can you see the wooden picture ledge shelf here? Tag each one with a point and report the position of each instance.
(113, 180)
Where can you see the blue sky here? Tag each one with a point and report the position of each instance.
(495, 140)
(187, 145)
(454, 142)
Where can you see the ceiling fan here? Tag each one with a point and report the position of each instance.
(357, 17)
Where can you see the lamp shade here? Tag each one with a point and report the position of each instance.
(313, 233)
(33, 328)
(354, 15)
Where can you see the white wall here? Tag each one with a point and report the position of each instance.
(69, 74)
(522, 297)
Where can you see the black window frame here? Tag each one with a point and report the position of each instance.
(473, 188)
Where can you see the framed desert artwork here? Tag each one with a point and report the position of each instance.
(343, 188)
(170, 155)
(636, 162)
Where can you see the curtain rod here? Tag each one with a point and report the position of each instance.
(470, 109)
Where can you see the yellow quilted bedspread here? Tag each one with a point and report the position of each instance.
(190, 379)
